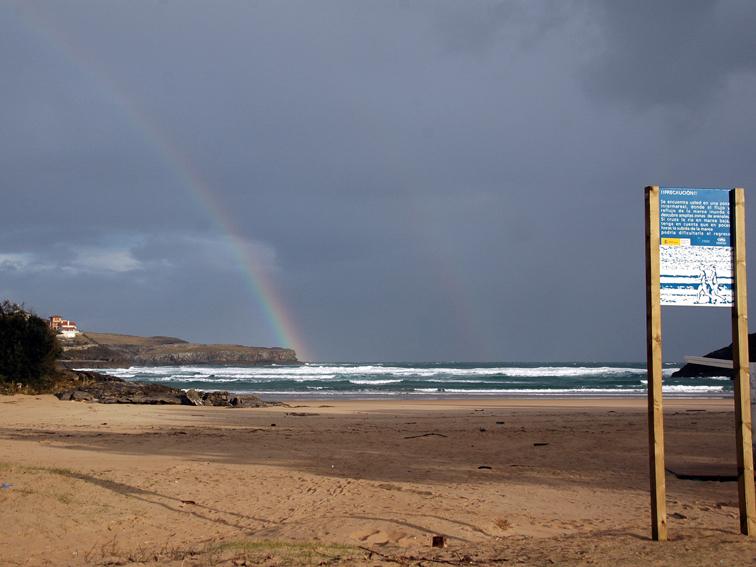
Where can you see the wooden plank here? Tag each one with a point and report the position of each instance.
(741, 368)
(708, 361)
(690, 468)
(654, 368)
(715, 363)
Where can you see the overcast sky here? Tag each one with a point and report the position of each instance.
(417, 180)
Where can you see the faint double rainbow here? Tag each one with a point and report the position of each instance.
(258, 280)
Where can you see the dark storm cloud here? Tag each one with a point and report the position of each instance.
(676, 53)
(433, 180)
(477, 29)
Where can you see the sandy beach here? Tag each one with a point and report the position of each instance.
(530, 482)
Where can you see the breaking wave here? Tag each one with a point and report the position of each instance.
(426, 379)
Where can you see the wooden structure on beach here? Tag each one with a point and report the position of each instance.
(740, 360)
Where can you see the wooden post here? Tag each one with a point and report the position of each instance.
(740, 366)
(654, 369)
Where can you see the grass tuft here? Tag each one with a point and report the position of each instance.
(285, 552)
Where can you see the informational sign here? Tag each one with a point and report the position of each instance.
(695, 252)
(696, 255)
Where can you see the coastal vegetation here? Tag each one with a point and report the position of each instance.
(28, 348)
(34, 359)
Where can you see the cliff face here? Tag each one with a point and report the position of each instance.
(101, 350)
(214, 354)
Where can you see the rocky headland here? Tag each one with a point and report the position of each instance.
(104, 350)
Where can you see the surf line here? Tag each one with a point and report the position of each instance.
(259, 282)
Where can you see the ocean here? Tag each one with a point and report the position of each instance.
(427, 380)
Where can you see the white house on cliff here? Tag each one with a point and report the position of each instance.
(63, 327)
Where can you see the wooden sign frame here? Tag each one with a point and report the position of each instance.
(740, 361)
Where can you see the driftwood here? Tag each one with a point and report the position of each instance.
(426, 435)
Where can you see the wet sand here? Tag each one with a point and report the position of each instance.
(530, 482)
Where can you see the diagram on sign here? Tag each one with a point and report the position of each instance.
(696, 251)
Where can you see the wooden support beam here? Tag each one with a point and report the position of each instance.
(741, 368)
(654, 367)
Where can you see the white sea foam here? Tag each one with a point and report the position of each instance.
(672, 390)
(374, 382)
(507, 393)
(327, 372)
(716, 378)
(682, 388)
(533, 391)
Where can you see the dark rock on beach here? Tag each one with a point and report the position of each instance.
(222, 398)
(724, 353)
(110, 392)
(104, 389)
(216, 399)
(193, 397)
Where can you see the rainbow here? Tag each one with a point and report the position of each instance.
(258, 280)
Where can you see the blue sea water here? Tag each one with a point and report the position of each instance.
(429, 380)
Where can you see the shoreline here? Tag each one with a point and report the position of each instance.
(404, 397)
(422, 400)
